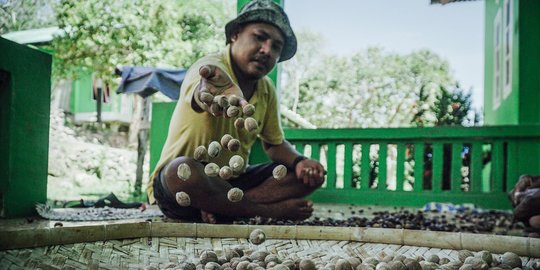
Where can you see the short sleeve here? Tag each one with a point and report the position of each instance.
(272, 132)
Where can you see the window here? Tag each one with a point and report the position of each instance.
(497, 87)
(507, 45)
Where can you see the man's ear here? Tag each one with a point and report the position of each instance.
(236, 32)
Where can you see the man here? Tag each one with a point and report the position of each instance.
(257, 39)
(525, 199)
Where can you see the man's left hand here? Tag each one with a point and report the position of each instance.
(311, 172)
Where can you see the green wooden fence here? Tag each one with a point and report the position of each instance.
(444, 164)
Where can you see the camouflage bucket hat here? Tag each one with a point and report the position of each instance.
(268, 12)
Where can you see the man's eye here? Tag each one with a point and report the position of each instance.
(259, 37)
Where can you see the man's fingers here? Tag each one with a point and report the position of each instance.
(207, 71)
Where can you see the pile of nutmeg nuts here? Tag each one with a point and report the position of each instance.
(242, 258)
(242, 120)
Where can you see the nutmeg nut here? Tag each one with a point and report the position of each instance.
(343, 264)
(183, 199)
(214, 148)
(225, 140)
(307, 264)
(206, 97)
(233, 111)
(233, 145)
(235, 195)
(211, 169)
(234, 100)
(464, 254)
(207, 256)
(222, 101)
(236, 163)
(279, 172)
(433, 258)
(215, 109)
(248, 110)
(183, 171)
(250, 124)
(485, 256)
(225, 172)
(257, 237)
(511, 259)
(239, 123)
(200, 153)
(212, 266)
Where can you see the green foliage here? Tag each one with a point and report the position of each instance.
(452, 108)
(372, 88)
(17, 15)
(101, 35)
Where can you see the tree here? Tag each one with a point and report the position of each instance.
(371, 88)
(17, 15)
(101, 35)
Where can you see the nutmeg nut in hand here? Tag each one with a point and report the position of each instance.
(233, 145)
(211, 169)
(183, 171)
(222, 101)
(250, 124)
(234, 100)
(236, 163)
(233, 111)
(206, 97)
(248, 110)
(225, 172)
(214, 148)
(239, 123)
(183, 199)
(225, 140)
(200, 153)
(215, 109)
(257, 237)
(235, 195)
(279, 172)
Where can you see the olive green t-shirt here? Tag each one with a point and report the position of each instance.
(189, 129)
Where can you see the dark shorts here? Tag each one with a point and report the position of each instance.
(252, 177)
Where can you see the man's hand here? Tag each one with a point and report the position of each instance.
(214, 82)
(525, 182)
(311, 172)
(529, 205)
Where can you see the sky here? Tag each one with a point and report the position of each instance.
(453, 31)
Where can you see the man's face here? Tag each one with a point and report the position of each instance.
(256, 49)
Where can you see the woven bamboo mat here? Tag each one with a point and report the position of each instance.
(168, 252)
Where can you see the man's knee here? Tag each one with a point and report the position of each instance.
(195, 171)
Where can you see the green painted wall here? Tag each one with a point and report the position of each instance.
(24, 128)
(521, 105)
(82, 96)
(506, 113)
(529, 61)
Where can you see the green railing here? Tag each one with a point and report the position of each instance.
(406, 166)
(414, 166)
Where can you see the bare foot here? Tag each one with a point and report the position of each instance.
(295, 209)
(208, 217)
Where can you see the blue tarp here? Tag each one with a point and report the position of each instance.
(145, 81)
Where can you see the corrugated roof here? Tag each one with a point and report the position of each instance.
(32, 36)
(444, 2)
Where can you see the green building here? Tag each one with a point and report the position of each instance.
(512, 66)
(77, 97)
